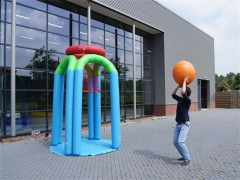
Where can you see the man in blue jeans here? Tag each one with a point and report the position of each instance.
(183, 121)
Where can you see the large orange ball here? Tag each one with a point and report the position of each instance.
(181, 69)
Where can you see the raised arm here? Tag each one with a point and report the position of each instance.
(175, 90)
(184, 84)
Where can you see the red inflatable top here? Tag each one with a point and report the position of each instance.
(85, 49)
(78, 56)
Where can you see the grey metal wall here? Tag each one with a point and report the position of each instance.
(182, 41)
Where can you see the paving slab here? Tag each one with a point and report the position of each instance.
(147, 152)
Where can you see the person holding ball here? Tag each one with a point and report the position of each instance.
(183, 120)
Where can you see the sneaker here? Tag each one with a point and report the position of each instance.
(180, 159)
(185, 163)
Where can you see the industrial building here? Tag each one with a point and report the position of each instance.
(142, 38)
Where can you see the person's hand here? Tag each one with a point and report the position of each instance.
(186, 78)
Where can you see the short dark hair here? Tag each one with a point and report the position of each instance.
(188, 91)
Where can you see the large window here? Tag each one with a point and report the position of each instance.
(43, 32)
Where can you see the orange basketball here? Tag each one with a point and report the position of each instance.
(181, 69)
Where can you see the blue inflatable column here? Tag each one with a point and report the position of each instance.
(61, 87)
(115, 110)
(77, 112)
(90, 109)
(97, 108)
(56, 109)
(68, 114)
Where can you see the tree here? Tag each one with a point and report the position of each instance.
(39, 63)
(119, 67)
(218, 80)
(236, 82)
(223, 86)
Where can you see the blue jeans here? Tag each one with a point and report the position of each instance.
(180, 135)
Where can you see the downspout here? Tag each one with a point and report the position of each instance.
(134, 73)
(13, 79)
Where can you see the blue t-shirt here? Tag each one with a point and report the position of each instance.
(183, 106)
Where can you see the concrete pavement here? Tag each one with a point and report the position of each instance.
(147, 152)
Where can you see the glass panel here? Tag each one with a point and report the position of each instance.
(148, 61)
(75, 30)
(148, 49)
(128, 57)
(129, 112)
(34, 3)
(137, 34)
(1, 55)
(97, 24)
(97, 20)
(139, 98)
(137, 47)
(75, 42)
(129, 85)
(61, 12)
(110, 39)
(58, 43)
(85, 99)
(114, 26)
(129, 97)
(121, 85)
(83, 19)
(85, 116)
(30, 38)
(2, 10)
(128, 32)
(138, 72)
(139, 111)
(83, 31)
(138, 60)
(128, 44)
(30, 58)
(26, 122)
(147, 73)
(27, 100)
(99, 45)
(83, 42)
(122, 112)
(120, 40)
(122, 98)
(110, 28)
(129, 70)
(97, 35)
(2, 33)
(8, 33)
(122, 70)
(54, 60)
(8, 56)
(110, 54)
(9, 12)
(27, 79)
(138, 85)
(30, 17)
(58, 25)
(120, 55)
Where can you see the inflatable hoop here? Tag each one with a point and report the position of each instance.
(85, 49)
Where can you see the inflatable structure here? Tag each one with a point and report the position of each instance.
(79, 58)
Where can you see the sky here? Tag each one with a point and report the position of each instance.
(221, 20)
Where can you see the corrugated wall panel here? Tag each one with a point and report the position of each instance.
(182, 40)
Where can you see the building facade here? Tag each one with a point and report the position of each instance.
(143, 39)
